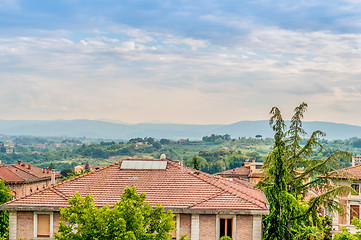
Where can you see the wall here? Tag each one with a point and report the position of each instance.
(207, 226)
(244, 227)
(25, 225)
(27, 188)
(185, 225)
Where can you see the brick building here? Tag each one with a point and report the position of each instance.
(206, 207)
(81, 168)
(351, 203)
(250, 171)
(24, 179)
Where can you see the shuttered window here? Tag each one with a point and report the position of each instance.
(354, 211)
(43, 225)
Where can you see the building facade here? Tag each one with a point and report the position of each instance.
(351, 202)
(250, 171)
(24, 179)
(205, 206)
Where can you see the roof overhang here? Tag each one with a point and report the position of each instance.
(174, 210)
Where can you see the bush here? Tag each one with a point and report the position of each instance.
(225, 238)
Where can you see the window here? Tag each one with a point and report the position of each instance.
(43, 224)
(356, 187)
(354, 212)
(225, 227)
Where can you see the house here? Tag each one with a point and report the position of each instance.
(81, 168)
(356, 160)
(351, 203)
(206, 207)
(25, 179)
(251, 171)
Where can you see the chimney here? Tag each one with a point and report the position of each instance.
(48, 171)
(353, 161)
(52, 181)
(253, 159)
(23, 165)
(182, 165)
(43, 170)
(0, 161)
(29, 166)
(19, 162)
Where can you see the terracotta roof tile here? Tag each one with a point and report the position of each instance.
(16, 173)
(172, 188)
(349, 172)
(242, 171)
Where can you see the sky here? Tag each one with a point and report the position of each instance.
(180, 61)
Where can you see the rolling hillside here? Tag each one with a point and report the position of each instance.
(109, 130)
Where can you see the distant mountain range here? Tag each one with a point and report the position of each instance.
(110, 130)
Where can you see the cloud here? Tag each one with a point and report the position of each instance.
(205, 62)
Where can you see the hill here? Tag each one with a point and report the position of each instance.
(109, 130)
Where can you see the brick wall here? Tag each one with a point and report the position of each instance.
(244, 227)
(207, 227)
(342, 219)
(185, 225)
(25, 225)
(25, 189)
(56, 220)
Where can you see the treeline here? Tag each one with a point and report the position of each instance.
(215, 152)
(219, 161)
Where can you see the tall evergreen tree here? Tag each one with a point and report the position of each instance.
(290, 173)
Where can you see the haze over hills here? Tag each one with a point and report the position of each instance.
(110, 130)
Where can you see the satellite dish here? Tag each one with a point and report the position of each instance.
(163, 156)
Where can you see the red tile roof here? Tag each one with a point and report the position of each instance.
(349, 172)
(243, 171)
(171, 187)
(16, 173)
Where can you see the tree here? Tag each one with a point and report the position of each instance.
(157, 145)
(164, 141)
(195, 163)
(65, 172)
(5, 196)
(86, 167)
(290, 173)
(51, 166)
(130, 219)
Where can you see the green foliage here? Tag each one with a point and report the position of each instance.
(131, 218)
(86, 167)
(346, 235)
(290, 173)
(5, 196)
(51, 166)
(214, 138)
(65, 172)
(357, 143)
(225, 238)
(5, 236)
(213, 157)
(195, 163)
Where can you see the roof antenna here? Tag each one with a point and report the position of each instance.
(182, 165)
